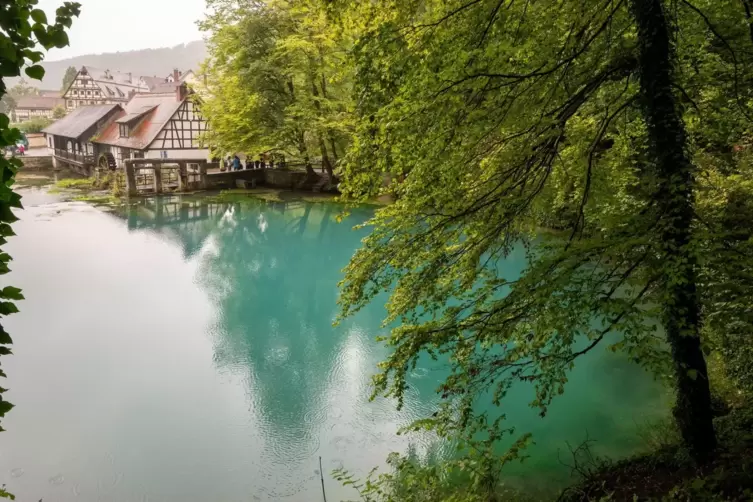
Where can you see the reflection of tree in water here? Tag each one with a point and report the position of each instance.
(272, 269)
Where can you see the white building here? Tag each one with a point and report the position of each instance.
(153, 126)
(32, 107)
(93, 86)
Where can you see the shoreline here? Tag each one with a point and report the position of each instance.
(83, 191)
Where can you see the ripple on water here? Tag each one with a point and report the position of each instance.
(335, 412)
(277, 355)
(278, 484)
(419, 373)
(314, 417)
(57, 480)
(17, 473)
(294, 445)
(342, 443)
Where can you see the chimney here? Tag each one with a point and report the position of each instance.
(181, 92)
(176, 75)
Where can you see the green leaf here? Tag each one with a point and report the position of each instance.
(5, 407)
(12, 293)
(8, 308)
(6, 230)
(15, 200)
(42, 36)
(33, 56)
(59, 38)
(35, 72)
(39, 16)
(5, 337)
(693, 374)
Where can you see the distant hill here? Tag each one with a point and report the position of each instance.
(147, 62)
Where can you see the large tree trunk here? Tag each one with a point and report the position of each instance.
(310, 173)
(326, 163)
(675, 199)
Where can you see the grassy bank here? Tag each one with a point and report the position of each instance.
(668, 473)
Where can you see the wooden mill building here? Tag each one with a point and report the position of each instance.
(149, 126)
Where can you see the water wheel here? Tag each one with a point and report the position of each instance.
(107, 162)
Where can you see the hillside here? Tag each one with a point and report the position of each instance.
(148, 62)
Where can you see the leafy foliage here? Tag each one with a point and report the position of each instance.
(10, 99)
(275, 80)
(23, 30)
(621, 127)
(492, 119)
(34, 125)
(58, 112)
(69, 77)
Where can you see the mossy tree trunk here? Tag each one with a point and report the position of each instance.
(674, 200)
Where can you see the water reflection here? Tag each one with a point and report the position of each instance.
(185, 352)
(272, 270)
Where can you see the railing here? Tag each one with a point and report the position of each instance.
(76, 157)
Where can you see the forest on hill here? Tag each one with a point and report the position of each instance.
(146, 62)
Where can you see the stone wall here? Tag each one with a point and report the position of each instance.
(36, 140)
(227, 179)
(275, 178)
(279, 178)
(37, 163)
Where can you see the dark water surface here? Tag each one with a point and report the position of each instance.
(184, 352)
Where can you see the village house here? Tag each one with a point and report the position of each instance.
(149, 126)
(32, 107)
(155, 126)
(168, 83)
(69, 139)
(93, 86)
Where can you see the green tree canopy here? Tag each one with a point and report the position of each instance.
(275, 81)
(58, 112)
(611, 138)
(69, 77)
(612, 122)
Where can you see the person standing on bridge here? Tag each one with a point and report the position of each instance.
(236, 163)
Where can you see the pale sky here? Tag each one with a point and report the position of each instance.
(124, 25)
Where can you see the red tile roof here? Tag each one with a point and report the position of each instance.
(39, 103)
(164, 107)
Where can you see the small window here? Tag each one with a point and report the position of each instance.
(124, 130)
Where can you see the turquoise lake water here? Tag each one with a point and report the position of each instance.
(184, 351)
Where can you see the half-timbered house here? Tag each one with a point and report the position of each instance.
(93, 86)
(154, 126)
